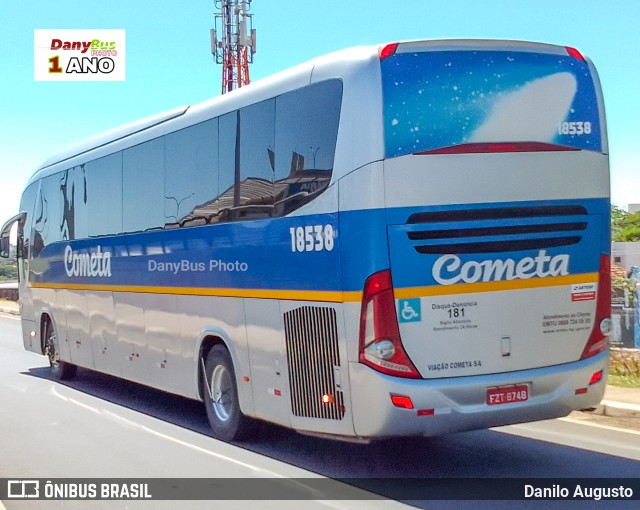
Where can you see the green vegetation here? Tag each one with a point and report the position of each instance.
(624, 368)
(8, 270)
(624, 226)
(623, 382)
(617, 290)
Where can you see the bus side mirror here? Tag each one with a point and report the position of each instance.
(4, 247)
(5, 234)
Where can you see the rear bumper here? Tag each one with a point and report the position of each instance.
(459, 404)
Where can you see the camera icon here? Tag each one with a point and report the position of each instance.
(23, 489)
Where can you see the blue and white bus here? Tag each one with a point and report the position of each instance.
(410, 239)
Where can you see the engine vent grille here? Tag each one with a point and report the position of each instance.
(312, 350)
(496, 230)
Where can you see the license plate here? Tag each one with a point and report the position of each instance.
(507, 394)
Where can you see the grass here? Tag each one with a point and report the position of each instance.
(624, 368)
(623, 382)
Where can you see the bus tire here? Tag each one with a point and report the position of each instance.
(221, 397)
(60, 370)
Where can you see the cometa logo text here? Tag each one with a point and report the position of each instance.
(94, 264)
(449, 269)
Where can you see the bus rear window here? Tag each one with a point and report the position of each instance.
(437, 99)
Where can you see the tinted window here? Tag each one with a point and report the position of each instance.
(27, 204)
(191, 180)
(48, 222)
(305, 142)
(104, 195)
(228, 145)
(67, 222)
(79, 206)
(262, 161)
(143, 186)
(247, 139)
(254, 197)
(438, 99)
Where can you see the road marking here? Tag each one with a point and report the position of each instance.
(598, 425)
(132, 424)
(563, 432)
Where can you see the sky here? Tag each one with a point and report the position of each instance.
(169, 62)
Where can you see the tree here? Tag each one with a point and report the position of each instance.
(625, 226)
(618, 215)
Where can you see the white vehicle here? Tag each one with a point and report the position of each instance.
(410, 239)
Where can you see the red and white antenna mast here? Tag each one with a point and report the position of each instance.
(233, 42)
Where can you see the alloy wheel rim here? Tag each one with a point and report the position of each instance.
(220, 393)
(52, 351)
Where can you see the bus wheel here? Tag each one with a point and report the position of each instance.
(221, 397)
(60, 370)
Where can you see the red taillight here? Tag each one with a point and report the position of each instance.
(574, 53)
(495, 147)
(388, 50)
(599, 339)
(380, 344)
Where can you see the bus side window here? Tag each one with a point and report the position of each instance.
(191, 175)
(143, 186)
(255, 196)
(306, 132)
(227, 146)
(27, 204)
(245, 171)
(79, 202)
(104, 195)
(48, 221)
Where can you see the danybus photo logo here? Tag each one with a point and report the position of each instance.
(79, 55)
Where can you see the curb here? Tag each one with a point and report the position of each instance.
(617, 410)
(11, 311)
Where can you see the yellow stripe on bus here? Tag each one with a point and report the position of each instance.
(293, 295)
(495, 286)
(334, 296)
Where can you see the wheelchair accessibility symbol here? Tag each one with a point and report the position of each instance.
(409, 310)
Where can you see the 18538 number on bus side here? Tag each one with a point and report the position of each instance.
(312, 238)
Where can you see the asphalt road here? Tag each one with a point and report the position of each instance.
(98, 426)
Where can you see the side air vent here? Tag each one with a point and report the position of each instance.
(496, 230)
(311, 336)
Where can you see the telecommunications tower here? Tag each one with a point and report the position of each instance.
(233, 42)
